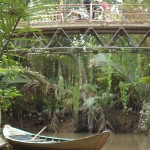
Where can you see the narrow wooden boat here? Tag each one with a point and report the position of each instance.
(23, 140)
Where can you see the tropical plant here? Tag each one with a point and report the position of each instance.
(11, 13)
(9, 70)
(126, 72)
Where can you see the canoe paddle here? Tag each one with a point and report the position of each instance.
(38, 133)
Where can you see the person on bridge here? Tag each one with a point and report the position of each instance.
(105, 5)
(105, 8)
(87, 4)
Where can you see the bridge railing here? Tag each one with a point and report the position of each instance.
(118, 13)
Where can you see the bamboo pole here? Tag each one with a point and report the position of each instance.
(38, 133)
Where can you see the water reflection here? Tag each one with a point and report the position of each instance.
(128, 142)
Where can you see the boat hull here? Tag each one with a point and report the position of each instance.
(94, 142)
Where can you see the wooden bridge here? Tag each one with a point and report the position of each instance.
(124, 28)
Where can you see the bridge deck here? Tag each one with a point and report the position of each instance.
(67, 21)
(99, 27)
(75, 19)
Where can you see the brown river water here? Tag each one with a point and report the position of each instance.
(128, 142)
(117, 141)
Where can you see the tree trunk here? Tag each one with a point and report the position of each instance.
(0, 118)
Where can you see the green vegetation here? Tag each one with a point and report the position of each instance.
(59, 86)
